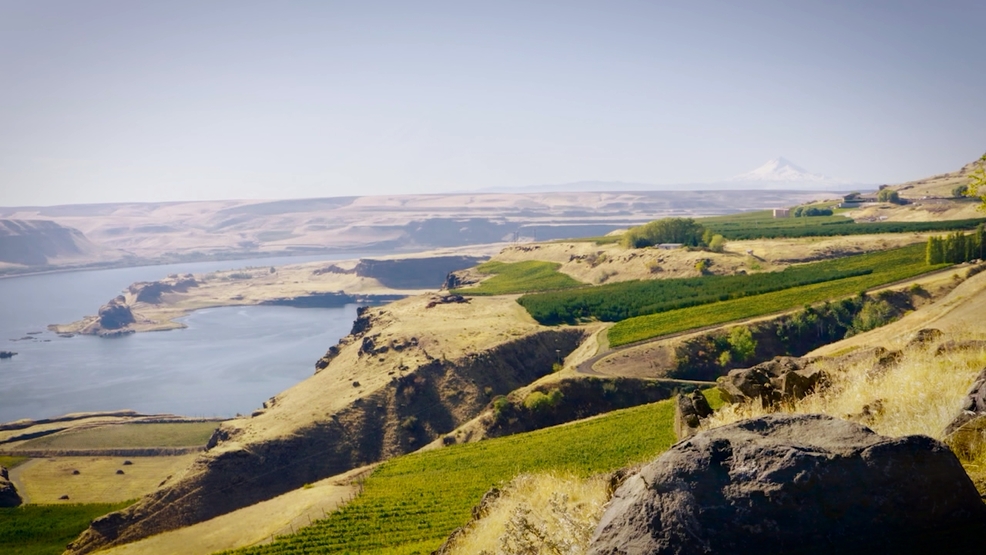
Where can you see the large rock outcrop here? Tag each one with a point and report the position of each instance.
(8, 493)
(806, 484)
(780, 379)
(115, 314)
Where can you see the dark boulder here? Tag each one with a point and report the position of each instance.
(806, 484)
(780, 379)
(959, 346)
(330, 355)
(885, 362)
(924, 337)
(689, 411)
(362, 321)
(8, 493)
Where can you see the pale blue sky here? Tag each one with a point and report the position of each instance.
(169, 100)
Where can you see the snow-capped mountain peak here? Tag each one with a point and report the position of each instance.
(780, 169)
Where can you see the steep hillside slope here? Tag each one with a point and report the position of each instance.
(940, 185)
(46, 243)
(959, 314)
(931, 198)
(410, 372)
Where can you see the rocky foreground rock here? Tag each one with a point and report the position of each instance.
(8, 493)
(689, 411)
(806, 484)
(966, 433)
(780, 379)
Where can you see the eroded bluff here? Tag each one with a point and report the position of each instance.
(406, 375)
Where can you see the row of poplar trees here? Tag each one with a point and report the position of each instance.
(957, 247)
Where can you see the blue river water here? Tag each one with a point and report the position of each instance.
(228, 360)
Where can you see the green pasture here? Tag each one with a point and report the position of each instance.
(122, 436)
(47, 529)
(520, 277)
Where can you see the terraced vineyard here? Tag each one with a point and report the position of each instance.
(520, 277)
(762, 225)
(887, 267)
(411, 504)
(619, 301)
(826, 226)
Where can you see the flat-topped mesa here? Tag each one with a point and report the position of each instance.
(406, 376)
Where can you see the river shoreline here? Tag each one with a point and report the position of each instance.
(159, 305)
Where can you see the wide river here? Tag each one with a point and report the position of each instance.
(227, 361)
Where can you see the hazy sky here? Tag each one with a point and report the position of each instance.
(169, 100)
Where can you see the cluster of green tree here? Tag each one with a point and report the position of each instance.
(619, 301)
(977, 181)
(957, 247)
(838, 227)
(666, 230)
(889, 195)
(811, 211)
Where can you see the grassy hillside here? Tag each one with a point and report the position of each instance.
(46, 529)
(519, 277)
(411, 504)
(888, 267)
(171, 434)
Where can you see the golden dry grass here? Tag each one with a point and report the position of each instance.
(538, 513)
(46, 480)
(921, 395)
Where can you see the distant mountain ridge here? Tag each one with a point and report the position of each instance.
(776, 174)
(781, 169)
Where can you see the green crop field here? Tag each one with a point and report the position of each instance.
(46, 529)
(520, 277)
(619, 301)
(118, 436)
(888, 267)
(826, 226)
(412, 503)
(762, 225)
